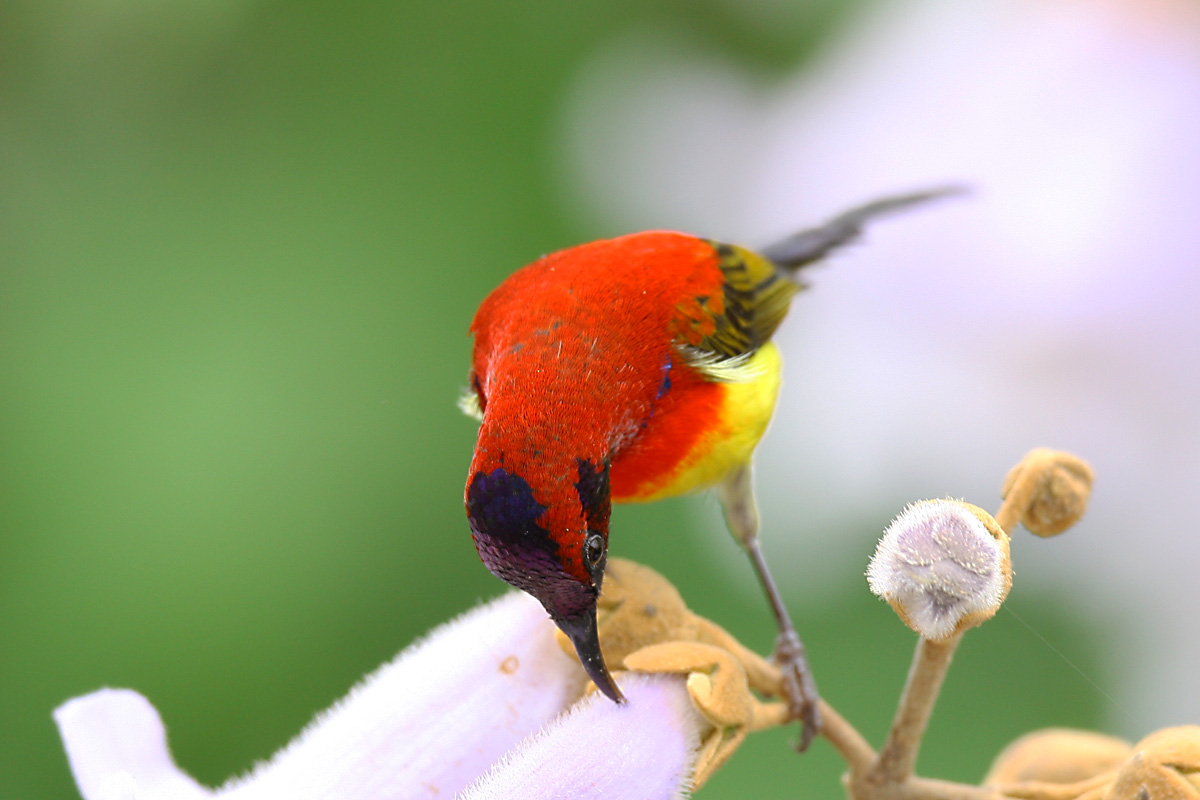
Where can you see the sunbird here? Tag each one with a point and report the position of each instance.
(629, 370)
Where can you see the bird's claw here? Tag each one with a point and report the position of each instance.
(799, 688)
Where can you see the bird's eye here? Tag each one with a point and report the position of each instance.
(593, 550)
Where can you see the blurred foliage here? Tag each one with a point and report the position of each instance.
(240, 245)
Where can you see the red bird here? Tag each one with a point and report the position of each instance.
(630, 370)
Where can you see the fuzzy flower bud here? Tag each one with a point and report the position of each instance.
(1165, 764)
(1057, 755)
(943, 565)
(1049, 490)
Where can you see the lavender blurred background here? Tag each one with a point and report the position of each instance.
(1060, 305)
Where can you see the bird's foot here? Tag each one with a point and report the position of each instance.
(799, 688)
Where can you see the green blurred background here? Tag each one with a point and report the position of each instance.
(240, 245)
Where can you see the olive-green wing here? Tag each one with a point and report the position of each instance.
(717, 333)
(757, 289)
(756, 298)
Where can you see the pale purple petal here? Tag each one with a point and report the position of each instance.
(422, 726)
(643, 750)
(430, 722)
(117, 748)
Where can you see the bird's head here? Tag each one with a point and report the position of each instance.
(549, 538)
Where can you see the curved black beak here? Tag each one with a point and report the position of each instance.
(581, 630)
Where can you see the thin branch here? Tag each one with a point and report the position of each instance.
(930, 789)
(855, 749)
(898, 757)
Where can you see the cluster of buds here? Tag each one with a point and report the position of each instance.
(945, 567)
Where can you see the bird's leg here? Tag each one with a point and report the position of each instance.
(741, 515)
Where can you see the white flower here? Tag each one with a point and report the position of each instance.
(475, 711)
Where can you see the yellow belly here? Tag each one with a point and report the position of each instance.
(744, 411)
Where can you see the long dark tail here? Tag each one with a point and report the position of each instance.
(814, 244)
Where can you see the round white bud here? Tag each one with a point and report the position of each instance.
(943, 565)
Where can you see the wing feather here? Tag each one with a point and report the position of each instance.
(754, 298)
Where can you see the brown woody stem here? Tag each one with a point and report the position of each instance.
(898, 757)
(929, 789)
(1016, 503)
(855, 749)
